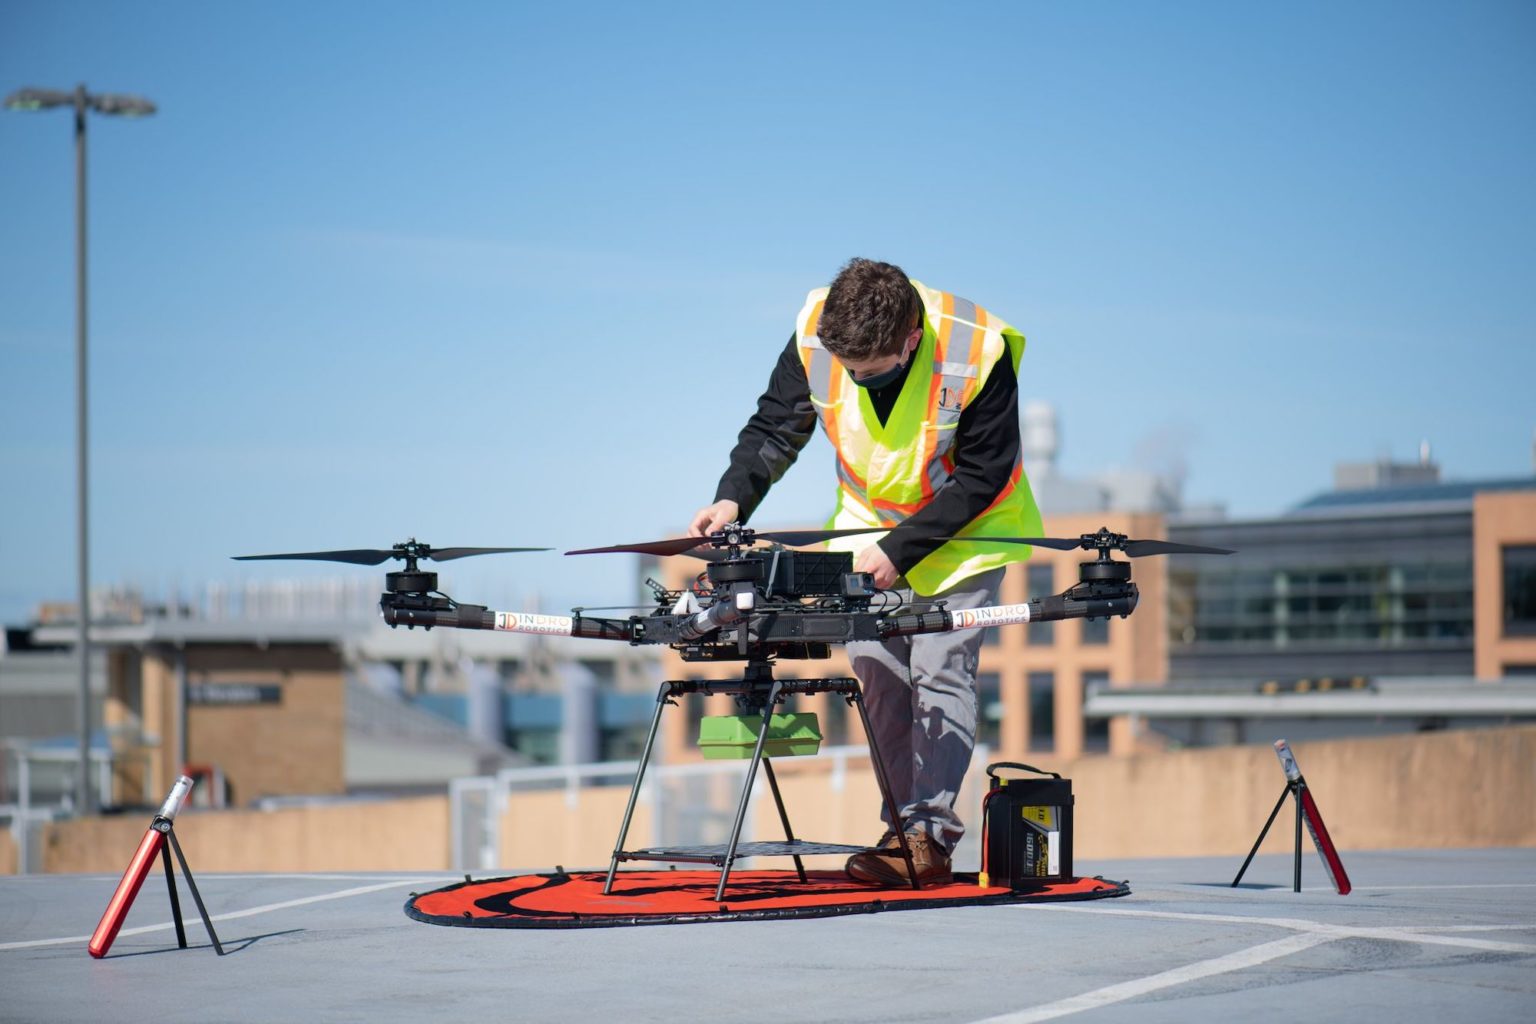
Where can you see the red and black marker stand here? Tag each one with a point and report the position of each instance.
(160, 838)
(1306, 811)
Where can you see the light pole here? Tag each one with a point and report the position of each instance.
(124, 106)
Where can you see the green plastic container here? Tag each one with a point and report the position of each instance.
(734, 736)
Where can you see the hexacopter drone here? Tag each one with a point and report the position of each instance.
(757, 605)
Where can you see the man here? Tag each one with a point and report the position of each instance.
(918, 392)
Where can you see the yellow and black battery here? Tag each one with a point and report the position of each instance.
(1026, 829)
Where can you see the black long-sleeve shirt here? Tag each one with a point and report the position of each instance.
(985, 450)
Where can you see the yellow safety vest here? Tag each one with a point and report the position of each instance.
(887, 472)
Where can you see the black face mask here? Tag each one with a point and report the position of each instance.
(876, 381)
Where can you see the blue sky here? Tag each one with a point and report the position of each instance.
(512, 274)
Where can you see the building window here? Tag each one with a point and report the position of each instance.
(1042, 711)
(1363, 606)
(532, 725)
(989, 709)
(1520, 590)
(625, 744)
(1040, 581)
(1095, 631)
(541, 746)
(1095, 730)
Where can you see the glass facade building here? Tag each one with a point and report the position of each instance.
(1352, 584)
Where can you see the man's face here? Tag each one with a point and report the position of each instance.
(877, 365)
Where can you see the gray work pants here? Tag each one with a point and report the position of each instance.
(920, 692)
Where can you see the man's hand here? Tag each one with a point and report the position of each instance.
(874, 561)
(713, 517)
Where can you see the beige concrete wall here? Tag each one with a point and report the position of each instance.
(1452, 789)
(541, 830)
(394, 835)
(10, 857)
(1430, 790)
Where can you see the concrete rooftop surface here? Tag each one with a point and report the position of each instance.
(1427, 935)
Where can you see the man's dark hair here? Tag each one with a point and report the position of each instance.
(870, 310)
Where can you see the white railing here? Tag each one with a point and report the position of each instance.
(27, 812)
(687, 803)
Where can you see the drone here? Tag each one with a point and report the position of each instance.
(757, 604)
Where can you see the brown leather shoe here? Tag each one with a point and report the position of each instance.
(885, 866)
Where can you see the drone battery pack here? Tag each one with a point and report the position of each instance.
(722, 737)
(1026, 832)
(809, 573)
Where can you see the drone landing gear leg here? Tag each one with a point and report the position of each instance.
(892, 809)
(789, 833)
(663, 698)
(746, 793)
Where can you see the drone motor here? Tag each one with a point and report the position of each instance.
(407, 581)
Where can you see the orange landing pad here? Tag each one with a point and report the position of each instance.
(576, 900)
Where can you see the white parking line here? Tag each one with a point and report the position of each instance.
(231, 915)
(1309, 934)
(1414, 935)
(1405, 888)
(1399, 933)
(1451, 885)
(1281, 891)
(1243, 958)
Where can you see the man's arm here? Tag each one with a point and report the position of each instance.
(986, 448)
(772, 439)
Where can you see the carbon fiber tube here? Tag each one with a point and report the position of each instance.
(603, 629)
(917, 622)
(1042, 609)
(465, 616)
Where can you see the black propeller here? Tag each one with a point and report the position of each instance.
(1105, 542)
(410, 550)
(730, 537)
(1137, 548)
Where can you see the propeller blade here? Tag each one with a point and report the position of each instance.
(1059, 543)
(795, 538)
(1137, 548)
(448, 554)
(675, 546)
(356, 556)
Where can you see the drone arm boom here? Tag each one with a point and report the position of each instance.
(400, 610)
(1040, 609)
(564, 625)
(411, 615)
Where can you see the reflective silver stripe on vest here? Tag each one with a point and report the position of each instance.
(853, 487)
(965, 309)
(953, 380)
(819, 374)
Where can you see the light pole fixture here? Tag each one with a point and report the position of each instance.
(119, 105)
